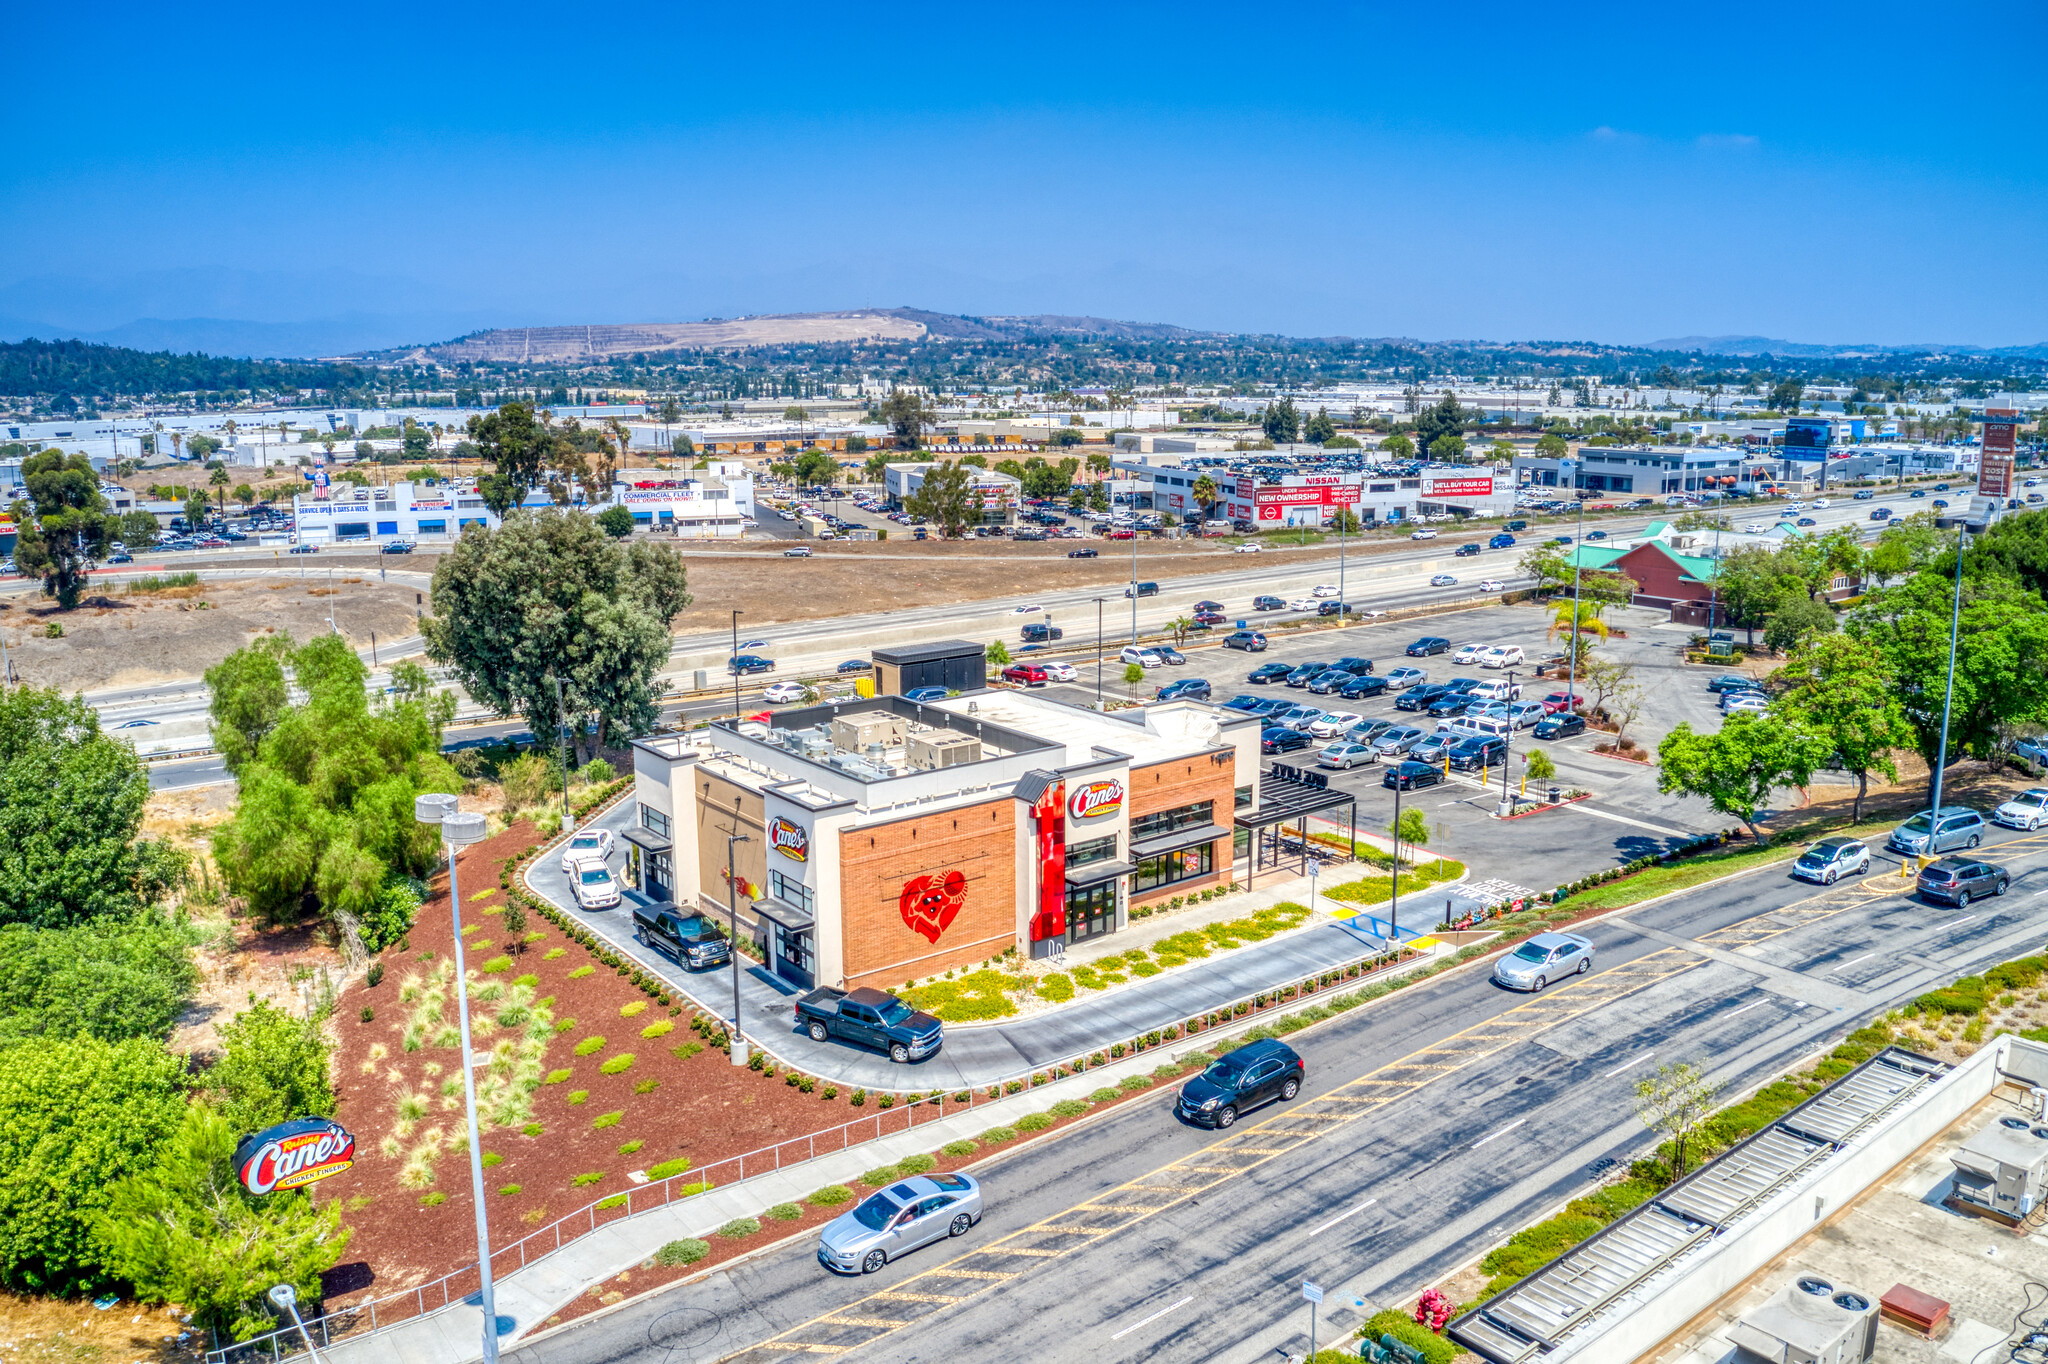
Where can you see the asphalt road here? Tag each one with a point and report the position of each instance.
(1138, 1237)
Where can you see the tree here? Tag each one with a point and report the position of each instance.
(1604, 678)
(1398, 446)
(1447, 449)
(816, 468)
(549, 597)
(1751, 582)
(1413, 830)
(1841, 690)
(1785, 395)
(1501, 452)
(944, 497)
(1539, 766)
(1134, 677)
(1444, 419)
(1281, 422)
(81, 1114)
(274, 1069)
(1676, 1103)
(1549, 565)
(1345, 521)
(71, 803)
(907, 415)
(1737, 769)
(185, 1231)
(518, 445)
(1180, 626)
(415, 440)
(1065, 436)
(138, 528)
(1796, 620)
(62, 526)
(1550, 445)
(683, 447)
(244, 494)
(1206, 492)
(616, 521)
(247, 696)
(195, 508)
(63, 982)
(1319, 429)
(997, 654)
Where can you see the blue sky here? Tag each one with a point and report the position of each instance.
(1626, 173)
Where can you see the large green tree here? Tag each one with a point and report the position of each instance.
(76, 1116)
(1446, 418)
(908, 416)
(274, 1069)
(63, 982)
(520, 445)
(1281, 422)
(944, 497)
(70, 807)
(1737, 769)
(185, 1231)
(549, 598)
(1841, 690)
(62, 526)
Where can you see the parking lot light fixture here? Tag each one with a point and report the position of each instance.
(1507, 757)
(459, 829)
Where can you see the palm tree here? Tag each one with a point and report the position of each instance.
(1206, 492)
(220, 480)
(1180, 625)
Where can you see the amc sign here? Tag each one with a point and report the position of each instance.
(791, 840)
(1097, 798)
(293, 1154)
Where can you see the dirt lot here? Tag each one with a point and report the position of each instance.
(117, 638)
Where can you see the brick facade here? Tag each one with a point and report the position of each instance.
(879, 864)
(1183, 781)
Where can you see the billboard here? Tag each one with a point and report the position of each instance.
(1809, 433)
(1460, 485)
(1994, 468)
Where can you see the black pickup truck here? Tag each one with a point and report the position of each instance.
(690, 938)
(871, 1018)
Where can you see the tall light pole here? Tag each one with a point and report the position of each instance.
(1507, 804)
(1955, 619)
(562, 740)
(736, 671)
(287, 1297)
(1098, 651)
(732, 906)
(1134, 578)
(1394, 895)
(1571, 685)
(459, 829)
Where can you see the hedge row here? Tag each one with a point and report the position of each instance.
(1601, 878)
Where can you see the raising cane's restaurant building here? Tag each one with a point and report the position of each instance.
(876, 840)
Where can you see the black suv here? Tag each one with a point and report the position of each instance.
(1239, 1081)
(1476, 752)
(1351, 663)
(1427, 645)
(1959, 880)
(1268, 604)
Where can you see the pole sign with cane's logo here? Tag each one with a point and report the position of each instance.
(293, 1154)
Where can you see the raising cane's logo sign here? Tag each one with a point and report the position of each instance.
(791, 840)
(1097, 798)
(293, 1154)
(929, 904)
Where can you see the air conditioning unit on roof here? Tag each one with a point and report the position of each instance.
(1811, 1322)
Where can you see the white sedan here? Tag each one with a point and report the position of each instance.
(1332, 723)
(783, 693)
(1303, 604)
(1321, 590)
(1493, 585)
(1422, 535)
(1030, 608)
(1470, 653)
(592, 845)
(1060, 672)
(1244, 549)
(1501, 656)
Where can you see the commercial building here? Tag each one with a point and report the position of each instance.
(877, 840)
(1652, 470)
(998, 493)
(1309, 498)
(713, 503)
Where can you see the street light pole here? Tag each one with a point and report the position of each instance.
(735, 671)
(460, 829)
(1955, 619)
(1571, 685)
(287, 1297)
(1394, 896)
(1098, 651)
(562, 740)
(732, 905)
(1507, 757)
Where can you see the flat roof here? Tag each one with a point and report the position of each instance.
(927, 653)
(1151, 735)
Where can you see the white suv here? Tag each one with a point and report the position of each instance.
(1144, 658)
(594, 887)
(1501, 656)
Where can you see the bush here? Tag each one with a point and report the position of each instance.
(687, 1251)
(738, 1227)
(604, 1120)
(917, 1164)
(511, 1188)
(1034, 1122)
(1531, 1248)
(584, 1181)
(661, 1029)
(627, 1148)
(1103, 1096)
(497, 966)
(1068, 1108)
(1135, 1082)
(617, 1200)
(882, 1177)
(1435, 1348)
(638, 1006)
(996, 1136)
(831, 1196)
(618, 1064)
(962, 1147)
(785, 1212)
(577, 1096)
(556, 1077)
(669, 1168)
(275, 1067)
(597, 772)
(1056, 988)
(590, 1046)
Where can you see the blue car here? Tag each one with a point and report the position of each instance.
(925, 694)
(1187, 689)
(1501, 541)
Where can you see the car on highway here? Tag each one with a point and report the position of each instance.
(749, 645)
(1502, 541)
(784, 693)
(1258, 1073)
(1469, 653)
(1409, 775)
(1244, 549)
(2028, 810)
(743, 664)
(1345, 754)
(1084, 553)
(1959, 827)
(396, 547)
(1492, 585)
(1251, 641)
(135, 724)
(1280, 739)
(1427, 645)
(1142, 590)
(1323, 590)
(1186, 689)
(1959, 880)
(1939, 503)
(589, 845)
(1829, 860)
(925, 694)
(1881, 514)
(1466, 551)
(1362, 686)
(1026, 675)
(1303, 604)
(1268, 603)
(1405, 676)
(305, 548)
(1030, 608)
(1864, 495)
(1443, 580)
(1917, 492)
(856, 665)
(1269, 672)
(1143, 657)
(593, 886)
(1206, 619)
(1542, 959)
(1038, 632)
(1807, 521)
(1424, 534)
(894, 1221)
(1559, 726)
(1061, 672)
(797, 552)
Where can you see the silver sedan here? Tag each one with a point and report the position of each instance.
(1542, 959)
(910, 1213)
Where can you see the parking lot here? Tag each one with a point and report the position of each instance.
(1625, 819)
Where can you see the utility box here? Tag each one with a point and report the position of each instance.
(955, 664)
(2003, 1170)
(1811, 1322)
(930, 750)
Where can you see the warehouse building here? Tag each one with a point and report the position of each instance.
(877, 840)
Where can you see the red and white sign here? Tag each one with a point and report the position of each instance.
(929, 904)
(791, 840)
(1097, 798)
(293, 1154)
(1461, 485)
(1994, 466)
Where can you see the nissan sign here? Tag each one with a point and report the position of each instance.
(293, 1154)
(1097, 798)
(791, 840)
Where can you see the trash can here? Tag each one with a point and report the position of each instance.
(1555, 795)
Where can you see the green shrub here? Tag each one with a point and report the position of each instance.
(1404, 1328)
(831, 1196)
(1068, 1108)
(492, 1158)
(433, 1200)
(618, 1064)
(785, 1212)
(590, 1046)
(1531, 1248)
(661, 1029)
(627, 1148)
(669, 1168)
(996, 1136)
(532, 1129)
(880, 1178)
(738, 1227)
(1034, 1122)
(577, 1096)
(917, 1164)
(617, 1200)
(1056, 988)
(647, 1086)
(1103, 1096)
(582, 971)
(1133, 1083)
(605, 1120)
(556, 1077)
(582, 1180)
(497, 966)
(687, 1251)
(962, 1147)
(510, 1188)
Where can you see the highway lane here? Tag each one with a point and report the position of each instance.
(1500, 1120)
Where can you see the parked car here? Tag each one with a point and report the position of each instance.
(1247, 704)
(1559, 726)
(1557, 701)
(894, 1221)
(1345, 755)
(1359, 688)
(1331, 723)
(1186, 689)
(2028, 810)
(1542, 959)
(1748, 702)
(1061, 672)
(1728, 682)
(692, 940)
(743, 664)
(1257, 1073)
(1328, 681)
(1398, 739)
(1268, 603)
(1305, 673)
(925, 694)
(1959, 880)
(1478, 753)
(1269, 672)
(1831, 859)
(590, 845)
(1168, 654)
(1295, 716)
(593, 886)
(1427, 645)
(1959, 827)
(1369, 731)
(1143, 657)
(1026, 675)
(1420, 697)
(1502, 656)
(870, 1018)
(1469, 653)
(1409, 775)
(1280, 739)
(1251, 641)
(1404, 677)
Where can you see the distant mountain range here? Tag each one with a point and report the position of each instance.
(1802, 350)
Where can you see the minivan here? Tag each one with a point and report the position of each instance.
(1516, 525)
(1959, 827)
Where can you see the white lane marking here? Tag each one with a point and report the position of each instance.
(1317, 1231)
(1747, 1007)
(1503, 1132)
(1638, 1061)
(1960, 922)
(1154, 1317)
(1847, 964)
(1586, 809)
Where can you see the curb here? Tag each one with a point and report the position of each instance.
(1548, 805)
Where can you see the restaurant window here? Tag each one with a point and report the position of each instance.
(1183, 864)
(791, 892)
(1242, 797)
(1091, 911)
(653, 820)
(1167, 821)
(1094, 850)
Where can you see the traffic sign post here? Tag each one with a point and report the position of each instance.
(1314, 1293)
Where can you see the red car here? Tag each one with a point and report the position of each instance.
(1210, 618)
(1123, 533)
(1026, 674)
(1557, 701)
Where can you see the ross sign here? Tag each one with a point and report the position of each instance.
(293, 1154)
(1104, 797)
(791, 840)
(1994, 464)
(1464, 485)
(929, 904)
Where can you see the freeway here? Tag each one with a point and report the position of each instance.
(1435, 1121)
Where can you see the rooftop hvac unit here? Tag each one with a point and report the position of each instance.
(1811, 1322)
(937, 748)
(2003, 1169)
(855, 732)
